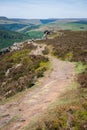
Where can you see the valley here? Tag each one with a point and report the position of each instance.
(34, 28)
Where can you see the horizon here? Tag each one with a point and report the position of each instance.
(43, 9)
(41, 18)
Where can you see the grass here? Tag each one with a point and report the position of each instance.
(57, 115)
(67, 97)
(22, 77)
(64, 25)
(74, 99)
(80, 67)
(19, 55)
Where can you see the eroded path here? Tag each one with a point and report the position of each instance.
(39, 98)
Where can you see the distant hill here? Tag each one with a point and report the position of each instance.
(4, 20)
(7, 38)
(12, 27)
(26, 25)
(46, 21)
(15, 29)
(22, 25)
(18, 27)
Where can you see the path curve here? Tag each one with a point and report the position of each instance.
(37, 101)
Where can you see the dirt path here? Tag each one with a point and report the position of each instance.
(38, 99)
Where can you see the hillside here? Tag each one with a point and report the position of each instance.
(70, 110)
(18, 27)
(54, 100)
(20, 70)
(7, 38)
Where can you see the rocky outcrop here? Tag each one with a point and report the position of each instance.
(13, 68)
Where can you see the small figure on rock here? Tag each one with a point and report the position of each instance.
(46, 33)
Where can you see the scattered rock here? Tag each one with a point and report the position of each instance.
(5, 115)
(84, 126)
(12, 69)
(4, 121)
(9, 93)
(16, 127)
(20, 109)
(21, 120)
(12, 105)
(7, 73)
(3, 84)
(17, 66)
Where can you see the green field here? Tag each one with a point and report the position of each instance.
(35, 34)
(61, 25)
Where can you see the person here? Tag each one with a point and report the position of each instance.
(46, 33)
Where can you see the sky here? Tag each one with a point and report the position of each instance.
(33, 9)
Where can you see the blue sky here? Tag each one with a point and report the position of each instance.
(43, 8)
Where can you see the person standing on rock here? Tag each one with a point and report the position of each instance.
(46, 33)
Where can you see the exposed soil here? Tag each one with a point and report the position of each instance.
(36, 101)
